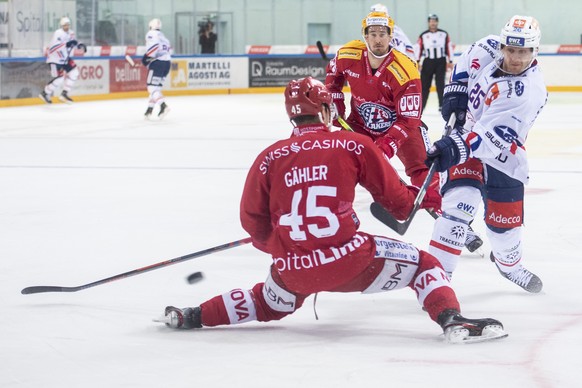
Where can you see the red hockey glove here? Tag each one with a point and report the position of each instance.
(388, 145)
(432, 199)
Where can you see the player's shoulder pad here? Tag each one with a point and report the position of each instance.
(352, 50)
(403, 68)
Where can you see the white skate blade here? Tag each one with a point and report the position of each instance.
(65, 100)
(161, 116)
(460, 335)
(162, 319)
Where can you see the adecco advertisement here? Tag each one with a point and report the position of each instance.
(209, 73)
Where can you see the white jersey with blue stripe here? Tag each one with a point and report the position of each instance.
(502, 108)
(57, 51)
(401, 42)
(158, 46)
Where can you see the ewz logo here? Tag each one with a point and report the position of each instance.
(515, 41)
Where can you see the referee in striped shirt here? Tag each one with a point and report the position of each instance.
(435, 55)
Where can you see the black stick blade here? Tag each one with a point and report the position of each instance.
(321, 50)
(40, 289)
(388, 219)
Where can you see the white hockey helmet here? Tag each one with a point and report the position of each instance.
(64, 21)
(379, 8)
(521, 31)
(155, 24)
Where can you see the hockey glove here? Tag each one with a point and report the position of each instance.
(455, 99)
(388, 145)
(81, 46)
(340, 108)
(432, 199)
(447, 152)
(146, 60)
(71, 43)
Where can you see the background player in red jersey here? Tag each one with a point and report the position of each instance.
(386, 99)
(297, 207)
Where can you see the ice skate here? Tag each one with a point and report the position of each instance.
(64, 97)
(45, 97)
(460, 330)
(187, 318)
(163, 110)
(472, 241)
(148, 113)
(522, 277)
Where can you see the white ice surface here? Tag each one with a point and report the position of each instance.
(92, 190)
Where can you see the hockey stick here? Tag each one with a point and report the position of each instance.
(388, 219)
(130, 60)
(321, 50)
(218, 248)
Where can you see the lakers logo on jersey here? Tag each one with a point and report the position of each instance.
(377, 118)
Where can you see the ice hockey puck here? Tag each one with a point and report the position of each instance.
(195, 277)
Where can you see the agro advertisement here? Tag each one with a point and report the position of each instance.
(208, 73)
(265, 72)
(93, 77)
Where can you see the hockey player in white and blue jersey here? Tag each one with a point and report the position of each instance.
(496, 92)
(157, 59)
(63, 69)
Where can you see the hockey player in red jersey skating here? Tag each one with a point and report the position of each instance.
(386, 102)
(297, 206)
(386, 94)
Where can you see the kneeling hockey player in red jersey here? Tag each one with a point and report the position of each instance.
(297, 207)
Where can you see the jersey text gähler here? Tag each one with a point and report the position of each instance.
(309, 145)
(305, 174)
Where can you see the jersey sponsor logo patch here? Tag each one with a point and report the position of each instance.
(504, 214)
(377, 118)
(349, 54)
(515, 41)
(466, 172)
(277, 297)
(519, 88)
(239, 306)
(318, 257)
(399, 73)
(475, 64)
(504, 132)
(410, 105)
(519, 23)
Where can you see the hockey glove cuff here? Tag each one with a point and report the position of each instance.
(388, 145)
(432, 199)
(81, 46)
(447, 152)
(340, 107)
(145, 60)
(455, 99)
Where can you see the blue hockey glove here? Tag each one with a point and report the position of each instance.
(447, 152)
(146, 60)
(81, 46)
(455, 99)
(71, 43)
